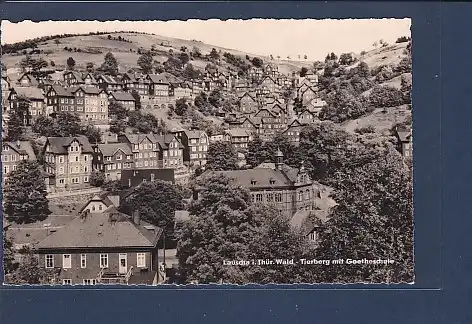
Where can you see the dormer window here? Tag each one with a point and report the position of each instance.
(253, 181)
(272, 181)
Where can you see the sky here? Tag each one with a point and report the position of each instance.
(279, 37)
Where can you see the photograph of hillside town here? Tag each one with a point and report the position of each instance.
(149, 153)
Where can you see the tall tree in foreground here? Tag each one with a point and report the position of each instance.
(221, 156)
(156, 202)
(373, 220)
(225, 225)
(25, 194)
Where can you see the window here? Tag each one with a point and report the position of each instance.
(89, 281)
(83, 261)
(85, 158)
(313, 236)
(86, 179)
(270, 197)
(67, 281)
(300, 196)
(118, 157)
(258, 197)
(61, 159)
(141, 260)
(103, 260)
(6, 168)
(278, 197)
(49, 261)
(66, 261)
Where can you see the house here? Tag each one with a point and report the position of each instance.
(68, 162)
(102, 248)
(59, 98)
(133, 178)
(72, 78)
(28, 80)
(158, 85)
(125, 99)
(271, 123)
(255, 73)
(238, 137)
(271, 70)
(172, 151)
(308, 94)
(89, 79)
(405, 141)
(109, 83)
(154, 151)
(195, 145)
(146, 149)
(111, 159)
(289, 189)
(35, 100)
(100, 202)
(132, 82)
(306, 116)
(247, 103)
(293, 132)
(181, 90)
(216, 138)
(270, 84)
(91, 104)
(13, 153)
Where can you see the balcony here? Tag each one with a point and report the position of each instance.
(107, 278)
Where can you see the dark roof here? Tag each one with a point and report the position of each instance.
(76, 74)
(238, 132)
(103, 197)
(158, 78)
(111, 148)
(22, 147)
(109, 79)
(257, 178)
(58, 145)
(110, 229)
(122, 96)
(194, 134)
(61, 91)
(404, 134)
(29, 92)
(31, 78)
(87, 89)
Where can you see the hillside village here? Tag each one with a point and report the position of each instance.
(121, 138)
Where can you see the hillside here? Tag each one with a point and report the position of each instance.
(382, 120)
(94, 47)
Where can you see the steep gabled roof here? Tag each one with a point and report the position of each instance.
(59, 145)
(22, 147)
(29, 92)
(110, 229)
(122, 96)
(31, 78)
(194, 134)
(111, 148)
(76, 75)
(61, 91)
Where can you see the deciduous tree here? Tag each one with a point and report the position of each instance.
(221, 156)
(25, 194)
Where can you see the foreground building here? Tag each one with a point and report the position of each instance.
(105, 247)
(13, 153)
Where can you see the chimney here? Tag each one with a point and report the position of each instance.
(136, 217)
(279, 159)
